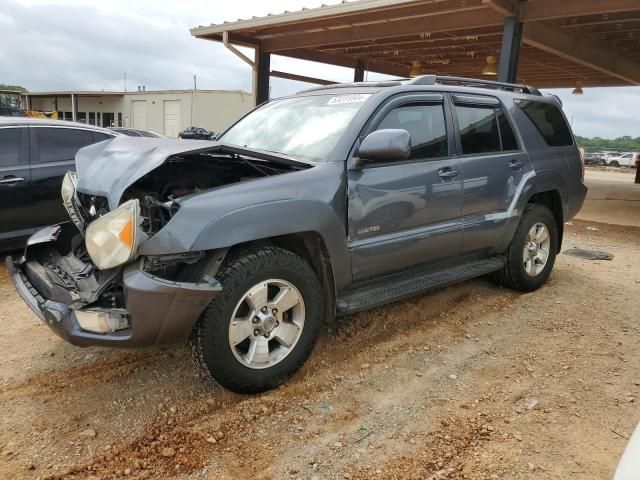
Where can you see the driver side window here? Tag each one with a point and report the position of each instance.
(426, 126)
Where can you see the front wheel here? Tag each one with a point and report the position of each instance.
(263, 325)
(614, 163)
(532, 252)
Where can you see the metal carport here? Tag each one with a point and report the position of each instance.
(545, 43)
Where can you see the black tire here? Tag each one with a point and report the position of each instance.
(210, 338)
(614, 164)
(513, 275)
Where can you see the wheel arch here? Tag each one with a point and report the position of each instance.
(553, 201)
(311, 247)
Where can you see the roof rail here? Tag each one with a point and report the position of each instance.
(473, 82)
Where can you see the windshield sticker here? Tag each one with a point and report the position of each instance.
(342, 99)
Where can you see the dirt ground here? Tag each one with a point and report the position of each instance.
(473, 381)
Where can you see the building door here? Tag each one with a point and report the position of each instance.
(139, 108)
(172, 118)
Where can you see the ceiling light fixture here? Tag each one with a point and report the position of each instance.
(416, 69)
(578, 90)
(491, 68)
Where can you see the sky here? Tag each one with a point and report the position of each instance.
(89, 45)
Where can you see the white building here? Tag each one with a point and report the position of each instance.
(166, 111)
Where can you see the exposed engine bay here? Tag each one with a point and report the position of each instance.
(178, 177)
(159, 192)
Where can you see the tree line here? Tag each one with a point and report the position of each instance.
(620, 143)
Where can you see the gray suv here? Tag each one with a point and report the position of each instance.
(329, 202)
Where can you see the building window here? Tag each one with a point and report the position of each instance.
(107, 119)
(120, 119)
(81, 117)
(92, 118)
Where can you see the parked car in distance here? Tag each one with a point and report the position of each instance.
(136, 132)
(35, 155)
(622, 160)
(594, 159)
(196, 133)
(328, 202)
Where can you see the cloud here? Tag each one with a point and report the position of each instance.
(89, 45)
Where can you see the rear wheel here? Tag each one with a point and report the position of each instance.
(532, 252)
(614, 163)
(263, 325)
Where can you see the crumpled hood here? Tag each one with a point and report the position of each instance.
(108, 168)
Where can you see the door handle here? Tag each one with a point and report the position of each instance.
(447, 173)
(11, 180)
(516, 164)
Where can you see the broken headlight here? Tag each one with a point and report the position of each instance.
(113, 239)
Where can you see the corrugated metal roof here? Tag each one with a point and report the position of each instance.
(346, 6)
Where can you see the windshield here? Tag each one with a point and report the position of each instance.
(306, 127)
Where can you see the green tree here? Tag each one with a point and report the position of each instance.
(16, 88)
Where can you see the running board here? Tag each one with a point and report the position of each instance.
(405, 284)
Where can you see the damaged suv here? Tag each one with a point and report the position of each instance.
(332, 201)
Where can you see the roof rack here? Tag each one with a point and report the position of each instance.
(473, 82)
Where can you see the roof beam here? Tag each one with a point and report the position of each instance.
(451, 21)
(505, 8)
(388, 68)
(301, 78)
(553, 9)
(559, 42)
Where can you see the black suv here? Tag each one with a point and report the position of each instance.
(35, 154)
(328, 202)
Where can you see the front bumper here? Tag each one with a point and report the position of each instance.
(158, 311)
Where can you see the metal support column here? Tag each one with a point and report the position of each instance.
(510, 51)
(262, 73)
(358, 73)
(74, 108)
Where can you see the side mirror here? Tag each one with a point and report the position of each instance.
(385, 146)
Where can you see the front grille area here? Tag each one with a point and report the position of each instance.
(77, 214)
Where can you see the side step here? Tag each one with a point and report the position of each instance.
(405, 284)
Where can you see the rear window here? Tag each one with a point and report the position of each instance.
(61, 144)
(549, 121)
(10, 142)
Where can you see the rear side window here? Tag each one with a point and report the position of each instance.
(549, 121)
(10, 143)
(479, 132)
(426, 126)
(99, 136)
(60, 144)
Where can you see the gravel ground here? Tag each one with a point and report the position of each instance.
(473, 381)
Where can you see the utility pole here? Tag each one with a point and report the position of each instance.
(195, 84)
(125, 81)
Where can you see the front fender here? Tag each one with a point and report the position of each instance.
(281, 218)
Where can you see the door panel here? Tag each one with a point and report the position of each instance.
(15, 179)
(406, 214)
(494, 168)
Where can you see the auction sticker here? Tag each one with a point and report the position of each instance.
(353, 98)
